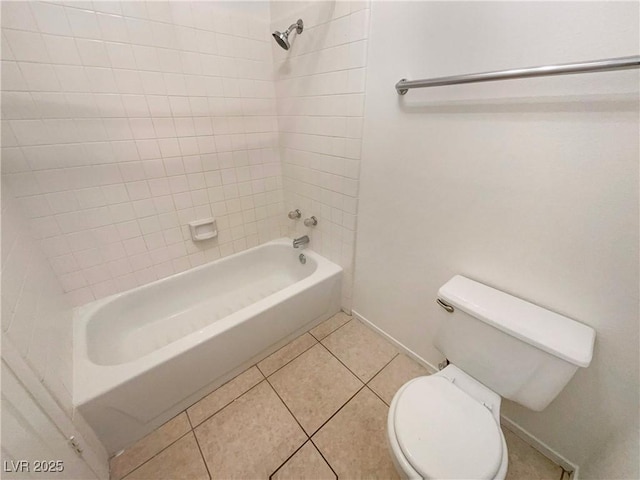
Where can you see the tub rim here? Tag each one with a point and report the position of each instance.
(86, 388)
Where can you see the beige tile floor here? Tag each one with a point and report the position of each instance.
(315, 409)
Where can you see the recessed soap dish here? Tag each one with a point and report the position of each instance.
(203, 229)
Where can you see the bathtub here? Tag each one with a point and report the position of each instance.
(142, 356)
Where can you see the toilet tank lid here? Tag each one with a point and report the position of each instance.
(555, 334)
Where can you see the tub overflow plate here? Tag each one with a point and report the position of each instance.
(302, 258)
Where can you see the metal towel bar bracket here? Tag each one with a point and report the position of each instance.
(622, 63)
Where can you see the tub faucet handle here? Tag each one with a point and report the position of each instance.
(293, 214)
(310, 222)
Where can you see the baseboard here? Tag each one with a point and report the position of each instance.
(512, 426)
(540, 446)
(406, 350)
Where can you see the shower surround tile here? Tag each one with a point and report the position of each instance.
(320, 84)
(119, 122)
(256, 431)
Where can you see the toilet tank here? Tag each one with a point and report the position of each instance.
(521, 351)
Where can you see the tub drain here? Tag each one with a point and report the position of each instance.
(302, 258)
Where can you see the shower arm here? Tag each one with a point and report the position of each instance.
(297, 26)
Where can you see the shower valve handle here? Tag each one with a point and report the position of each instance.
(293, 214)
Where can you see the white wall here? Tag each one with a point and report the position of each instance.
(618, 458)
(530, 186)
(123, 121)
(320, 85)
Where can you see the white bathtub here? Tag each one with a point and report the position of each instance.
(142, 356)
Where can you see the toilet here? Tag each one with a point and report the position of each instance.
(447, 425)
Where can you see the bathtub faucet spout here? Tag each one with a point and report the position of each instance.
(298, 242)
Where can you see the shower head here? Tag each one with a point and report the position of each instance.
(283, 38)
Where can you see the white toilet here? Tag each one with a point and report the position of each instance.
(447, 425)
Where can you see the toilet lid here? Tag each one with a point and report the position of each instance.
(445, 433)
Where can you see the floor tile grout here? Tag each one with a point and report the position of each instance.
(158, 453)
(323, 457)
(287, 363)
(342, 363)
(309, 436)
(345, 365)
(227, 404)
(287, 407)
(192, 427)
(188, 417)
(332, 331)
(564, 474)
(371, 389)
(336, 412)
(352, 372)
(364, 385)
(204, 460)
(290, 457)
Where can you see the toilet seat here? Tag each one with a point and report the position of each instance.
(437, 430)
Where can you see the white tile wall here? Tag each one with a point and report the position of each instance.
(123, 121)
(320, 85)
(36, 317)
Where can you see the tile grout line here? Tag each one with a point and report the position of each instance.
(385, 366)
(341, 363)
(229, 403)
(204, 460)
(309, 437)
(336, 412)
(316, 342)
(332, 331)
(224, 384)
(372, 390)
(206, 465)
(299, 424)
(188, 417)
(324, 458)
(290, 457)
(265, 378)
(365, 384)
(158, 453)
(288, 362)
(287, 407)
(351, 371)
(374, 376)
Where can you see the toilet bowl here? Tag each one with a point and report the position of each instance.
(447, 425)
